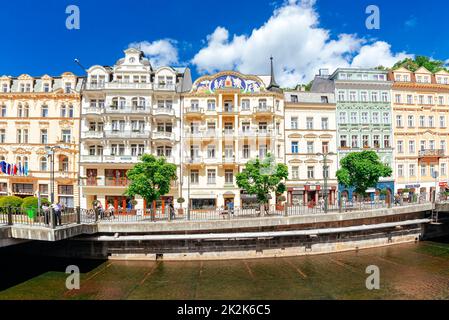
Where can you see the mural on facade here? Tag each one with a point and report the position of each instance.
(228, 81)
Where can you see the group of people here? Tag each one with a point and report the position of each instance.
(111, 211)
(58, 210)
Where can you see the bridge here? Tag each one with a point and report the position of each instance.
(17, 229)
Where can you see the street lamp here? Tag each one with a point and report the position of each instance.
(51, 156)
(325, 155)
(435, 176)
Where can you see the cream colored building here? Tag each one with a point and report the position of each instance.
(38, 115)
(228, 119)
(421, 110)
(310, 133)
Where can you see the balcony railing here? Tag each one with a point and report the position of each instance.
(431, 153)
(193, 110)
(194, 160)
(125, 134)
(93, 111)
(164, 86)
(116, 182)
(92, 135)
(95, 85)
(263, 109)
(163, 112)
(228, 159)
(161, 135)
(128, 85)
(95, 159)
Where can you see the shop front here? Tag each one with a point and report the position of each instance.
(310, 195)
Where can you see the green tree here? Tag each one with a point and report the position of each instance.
(362, 170)
(151, 178)
(262, 177)
(421, 61)
(32, 203)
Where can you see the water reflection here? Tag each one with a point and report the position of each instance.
(410, 271)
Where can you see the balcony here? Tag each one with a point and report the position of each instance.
(96, 111)
(431, 153)
(229, 159)
(228, 133)
(116, 182)
(127, 85)
(92, 159)
(95, 86)
(92, 135)
(121, 134)
(164, 87)
(195, 111)
(263, 110)
(168, 112)
(162, 135)
(120, 159)
(261, 133)
(196, 160)
(135, 109)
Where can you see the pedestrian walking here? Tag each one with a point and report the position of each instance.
(46, 211)
(231, 207)
(57, 213)
(172, 211)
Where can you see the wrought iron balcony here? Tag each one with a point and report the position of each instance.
(431, 153)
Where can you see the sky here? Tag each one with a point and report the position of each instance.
(208, 36)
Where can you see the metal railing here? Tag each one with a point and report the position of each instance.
(38, 217)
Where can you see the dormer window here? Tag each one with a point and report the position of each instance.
(22, 87)
(4, 88)
(46, 87)
(28, 87)
(68, 87)
(132, 60)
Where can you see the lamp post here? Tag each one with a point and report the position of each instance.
(325, 155)
(51, 156)
(435, 176)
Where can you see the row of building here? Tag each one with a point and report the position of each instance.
(92, 129)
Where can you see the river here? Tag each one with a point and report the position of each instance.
(409, 271)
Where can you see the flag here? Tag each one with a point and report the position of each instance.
(3, 166)
(15, 170)
(26, 169)
(19, 169)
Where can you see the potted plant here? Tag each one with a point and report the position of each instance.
(181, 200)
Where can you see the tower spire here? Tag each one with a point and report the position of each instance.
(273, 85)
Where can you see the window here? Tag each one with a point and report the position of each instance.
(343, 141)
(46, 87)
(411, 146)
(295, 173)
(352, 96)
(364, 96)
(211, 151)
(386, 118)
(399, 121)
(295, 148)
(263, 104)
(210, 105)
(22, 135)
(326, 172)
(443, 145)
(386, 141)
(384, 97)
(429, 100)
(66, 136)
(431, 122)
(211, 176)
(411, 121)
(432, 144)
(44, 111)
(68, 87)
(324, 123)
(194, 105)
(325, 147)
(5, 88)
(309, 122)
(421, 99)
(423, 170)
(3, 111)
(409, 99)
(44, 136)
(374, 97)
(342, 117)
(229, 176)
(246, 153)
(422, 121)
(341, 96)
(2, 135)
(375, 117)
(398, 98)
(422, 145)
(411, 170)
(365, 117)
(294, 98)
(400, 146)
(310, 147)
(440, 100)
(401, 170)
(324, 99)
(432, 170)
(64, 164)
(263, 151)
(442, 122)
(194, 177)
(443, 171)
(353, 117)
(294, 123)
(43, 189)
(310, 172)
(355, 142)
(117, 150)
(43, 164)
(376, 141)
(138, 150)
(245, 105)
(365, 140)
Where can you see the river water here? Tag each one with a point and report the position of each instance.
(409, 271)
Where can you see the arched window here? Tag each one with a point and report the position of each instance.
(18, 160)
(44, 164)
(114, 103)
(2, 158)
(142, 102)
(134, 102)
(122, 103)
(25, 162)
(26, 111)
(63, 164)
(20, 111)
(63, 111)
(71, 111)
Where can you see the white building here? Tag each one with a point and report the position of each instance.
(128, 110)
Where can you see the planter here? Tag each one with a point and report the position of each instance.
(180, 211)
(280, 207)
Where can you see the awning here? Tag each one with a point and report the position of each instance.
(229, 194)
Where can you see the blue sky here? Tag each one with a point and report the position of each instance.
(36, 41)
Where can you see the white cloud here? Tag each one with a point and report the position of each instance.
(160, 52)
(377, 54)
(300, 47)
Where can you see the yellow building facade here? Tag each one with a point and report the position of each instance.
(39, 126)
(228, 119)
(421, 111)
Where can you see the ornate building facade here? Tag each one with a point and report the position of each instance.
(128, 110)
(310, 136)
(228, 119)
(39, 127)
(421, 110)
(364, 118)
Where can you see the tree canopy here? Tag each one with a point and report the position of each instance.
(151, 178)
(262, 177)
(362, 170)
(421, 61)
